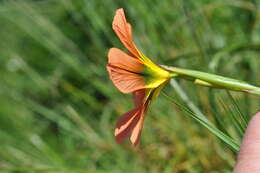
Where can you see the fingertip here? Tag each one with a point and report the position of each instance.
(249, 155)
(256, 117)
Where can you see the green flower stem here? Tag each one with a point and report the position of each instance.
(212, 80)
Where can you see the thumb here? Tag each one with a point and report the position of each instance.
(249, 155)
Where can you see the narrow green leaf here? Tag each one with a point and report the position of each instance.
(228, 140)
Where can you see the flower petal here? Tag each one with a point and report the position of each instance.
(126, 123)
(125, 71)
(139, 97)
(124, 32)
(136, 133)
(118, 58)
(126, 82)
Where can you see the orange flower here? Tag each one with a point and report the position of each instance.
(133, 73)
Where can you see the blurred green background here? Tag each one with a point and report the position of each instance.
(58, 107)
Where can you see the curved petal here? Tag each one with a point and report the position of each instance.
(125, 71)
(139, 97)
(118, 58)
(126, 123)
(125, 81)
(136, 133)
(124, 32)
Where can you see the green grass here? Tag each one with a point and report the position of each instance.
(58, 107)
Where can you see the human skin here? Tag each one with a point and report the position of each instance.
(248, 160)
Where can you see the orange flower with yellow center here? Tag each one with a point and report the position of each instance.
(133, 73)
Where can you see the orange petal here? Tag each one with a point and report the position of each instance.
(125, 71)
(136, 133)
(126, 82)
(124, 32)
(139, 96)
(126, 123)
(118, 58)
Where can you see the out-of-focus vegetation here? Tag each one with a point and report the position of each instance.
(58, 107)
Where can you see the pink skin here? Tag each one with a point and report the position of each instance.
(249, 155)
